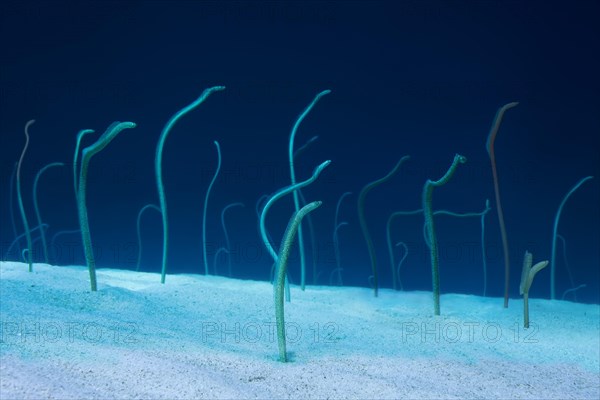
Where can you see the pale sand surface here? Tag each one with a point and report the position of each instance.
(213, 337)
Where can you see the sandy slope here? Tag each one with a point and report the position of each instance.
(211, 337)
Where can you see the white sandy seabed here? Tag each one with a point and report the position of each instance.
(213, 337)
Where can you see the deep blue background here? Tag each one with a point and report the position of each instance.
(422, 78)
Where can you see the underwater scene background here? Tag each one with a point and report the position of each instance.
(423, 79)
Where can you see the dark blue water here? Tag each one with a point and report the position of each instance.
(407, 78)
